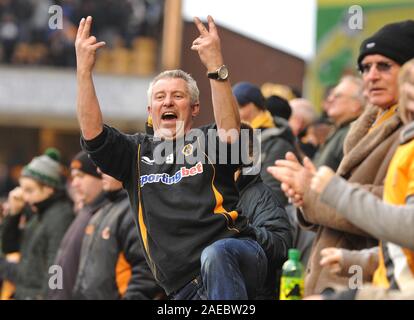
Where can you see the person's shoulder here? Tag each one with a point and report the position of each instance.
(61, 212)
(407, 134)
(136, 137)
(206, 128)
(259, 191)
(61, 206)
(139, 137)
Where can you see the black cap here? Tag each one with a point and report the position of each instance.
(83, 163)
(394, 41)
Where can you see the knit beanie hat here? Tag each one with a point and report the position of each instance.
(45, 169)
(83, 163)
(278, 107)
(394, 41)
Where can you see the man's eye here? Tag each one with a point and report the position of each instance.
(383, 66)
(365, 67)
(159, 97)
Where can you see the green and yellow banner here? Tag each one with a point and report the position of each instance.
(341, 27)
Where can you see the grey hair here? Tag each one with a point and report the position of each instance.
(357, 81)
(304, 109)
(177, 74)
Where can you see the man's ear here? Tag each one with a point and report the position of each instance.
(149, 109)
(195, 109)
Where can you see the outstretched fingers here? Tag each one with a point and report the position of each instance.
(200, 26)
(80, 29)
(211, 25)
(87, 28)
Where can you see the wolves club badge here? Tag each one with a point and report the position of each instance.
(188, 149)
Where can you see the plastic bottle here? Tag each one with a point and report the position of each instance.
(292, 280)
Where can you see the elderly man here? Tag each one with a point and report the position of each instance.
(303, 115)
(111, 264)
(346, 101)
(87, 185)
(393, 224)
(368, 149)
(195, 241)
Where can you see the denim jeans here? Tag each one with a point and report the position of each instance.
(193, 290)
(233, 269)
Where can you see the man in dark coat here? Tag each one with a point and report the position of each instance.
(112, 264)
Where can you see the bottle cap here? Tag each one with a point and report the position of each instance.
(294, 254)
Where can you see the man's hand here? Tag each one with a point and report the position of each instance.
(314, 297)
(333, 259)
(321, 179)
(293, 176)
(15, 201)
(86, 46)
(208, 45)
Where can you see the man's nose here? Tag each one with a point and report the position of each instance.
(168, 101)
(373, 73)
(75, 182)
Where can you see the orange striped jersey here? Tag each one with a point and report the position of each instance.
(396, 264)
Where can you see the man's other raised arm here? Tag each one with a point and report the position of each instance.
(88, 110)
(226, 112)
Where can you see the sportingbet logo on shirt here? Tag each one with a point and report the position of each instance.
(165, 178)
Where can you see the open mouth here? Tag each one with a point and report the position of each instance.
(377, 89)
(169, 115)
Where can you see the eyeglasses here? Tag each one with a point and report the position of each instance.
(338, 95)
(381, 66)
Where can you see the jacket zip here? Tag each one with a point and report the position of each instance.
(152, 266)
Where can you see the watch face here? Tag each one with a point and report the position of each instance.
(223, 73)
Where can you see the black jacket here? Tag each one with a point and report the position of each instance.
(271, 225)
(275, 143)
(112, 264)
(40, 241)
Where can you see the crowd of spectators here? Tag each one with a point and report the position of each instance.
(26, 38)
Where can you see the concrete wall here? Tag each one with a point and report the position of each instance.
(47, 98)
(247, 60)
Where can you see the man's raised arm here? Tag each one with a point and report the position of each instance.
(226, 112)
(88, 110)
